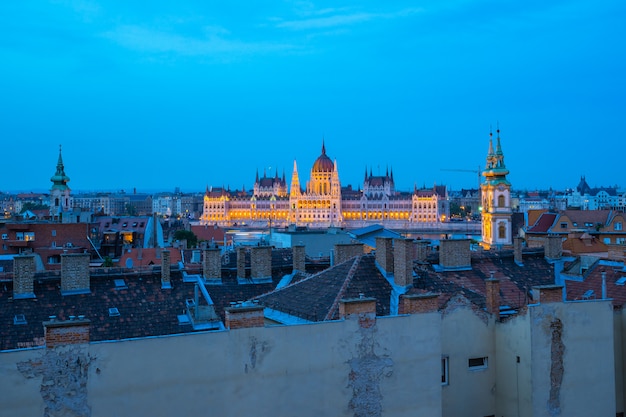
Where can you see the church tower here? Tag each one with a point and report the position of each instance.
(496, 199)
(60, 199)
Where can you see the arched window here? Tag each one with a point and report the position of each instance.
(500, 200)
(501, 231)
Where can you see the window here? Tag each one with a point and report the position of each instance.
(445, 376)
(475, 364)
(618, 225)
(54, 233)
(500, 201)
(501, 231)
(563, 225)
(5, 236)
(607, 240)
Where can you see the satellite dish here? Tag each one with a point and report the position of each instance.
(129, 263)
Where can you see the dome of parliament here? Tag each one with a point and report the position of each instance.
(323, 163)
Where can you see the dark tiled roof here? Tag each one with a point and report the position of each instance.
(317, 298)
(515, 281)
(543, 223)
(616, 289)
(145, 309)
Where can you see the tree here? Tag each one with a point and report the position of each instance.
(192, 239)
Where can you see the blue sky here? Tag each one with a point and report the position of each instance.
(195, 93)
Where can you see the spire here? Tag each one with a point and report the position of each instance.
(490, 152)
(257, 175)
(59, 179)
(498, 147)
(391, 173)
(323, 147)
(365, 173)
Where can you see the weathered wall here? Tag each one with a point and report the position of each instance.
(572, 355)
(468, 335)
(619, 326)
(342, 368)
(514, 389)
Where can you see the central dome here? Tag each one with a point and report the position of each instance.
(323, 162)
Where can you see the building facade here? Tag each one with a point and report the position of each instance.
(323, 202)
(496, 195)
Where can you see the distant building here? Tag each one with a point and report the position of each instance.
(323, 202)
(60, 193)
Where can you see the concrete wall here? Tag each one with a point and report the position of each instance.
(514, 390)
(466, 335)
(337, 368)
(566, 363)
(619, 328)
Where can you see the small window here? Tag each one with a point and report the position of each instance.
(563, 225)
(607, 240)
(621, 281)
(19, 319)
(477, 363)
(618, 225)
(445, 376)
(5, 236)
(114, 312)
(54, 233)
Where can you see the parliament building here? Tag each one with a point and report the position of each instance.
(323, 202)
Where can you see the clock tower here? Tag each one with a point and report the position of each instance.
(496, 199)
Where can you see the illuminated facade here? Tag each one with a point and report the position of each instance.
(324, 203)
(496, 199)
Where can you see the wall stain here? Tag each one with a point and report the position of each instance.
(556, 367)
(367, 369)
(256, 353)
(64, 375)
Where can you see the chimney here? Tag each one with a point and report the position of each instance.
(261, 263)
(403, 262)
(66, 332)
(363, 308)
(23, 274)
(454, 254)
(553, 246)
(241, 262)
(492, 296)
(75, 273)
(384, 254)
(517, 250)
(243, 316)
(345, 251)
(165, 270)
(418, 303)
(549, 293)
(212, 265)
(299, 258)
(421, 250)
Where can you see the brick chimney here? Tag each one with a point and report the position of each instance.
(244, 316)
(165, 269)
(492, 296)
(403, 262)
(455, 254)
(241, 262)
(421, 250)
(616, 252)
(418, 303)
(553, 247)
(75, 273)
(212, 265)
(299, 258)
(66, 332)
(517, 250)
(261, 263)
(384, 254)
(345, 251)
(363, 308)
(548, 293)
(23, 274)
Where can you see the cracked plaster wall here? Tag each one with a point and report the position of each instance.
(310, 370)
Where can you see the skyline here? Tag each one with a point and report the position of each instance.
(196, 95)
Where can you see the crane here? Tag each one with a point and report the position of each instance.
(478, 172)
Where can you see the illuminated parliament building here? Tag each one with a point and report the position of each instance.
(323, 202)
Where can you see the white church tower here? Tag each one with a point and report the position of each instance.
(496, 199)
(60, 198)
